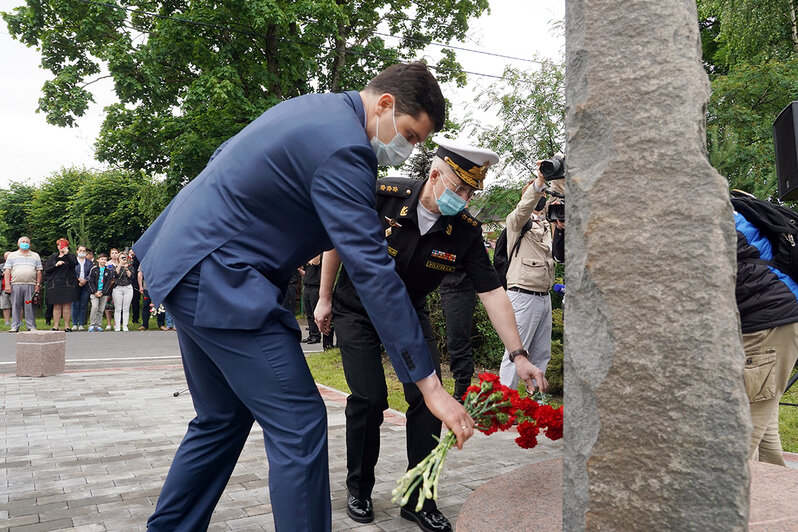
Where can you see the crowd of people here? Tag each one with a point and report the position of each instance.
(77, 290)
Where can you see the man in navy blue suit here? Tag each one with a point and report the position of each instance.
(298, 180)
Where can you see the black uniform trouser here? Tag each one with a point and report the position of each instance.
(311, 296)
(458, 312)
(362, 360)
(135, 307)
(145, 310)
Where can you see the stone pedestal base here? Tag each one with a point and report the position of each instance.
(41, 353)
(529, 499)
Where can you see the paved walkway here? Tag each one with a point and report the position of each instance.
(88, 450)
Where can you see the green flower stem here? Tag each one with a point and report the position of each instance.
(426, 475)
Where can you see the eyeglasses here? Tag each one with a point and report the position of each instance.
(464, 191)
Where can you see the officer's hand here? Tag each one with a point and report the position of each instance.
(527, 371)
(446, 408)
(8, 290)
(323, 315)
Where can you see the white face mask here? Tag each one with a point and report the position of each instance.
(394, 153)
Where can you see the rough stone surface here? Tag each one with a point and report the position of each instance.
(41, 353)
(657, 423)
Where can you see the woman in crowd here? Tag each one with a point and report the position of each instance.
(123, 292)
(61, 283)
(113, 262)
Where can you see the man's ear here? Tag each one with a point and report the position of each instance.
(385, 102)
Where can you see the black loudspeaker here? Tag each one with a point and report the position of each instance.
(785, 135)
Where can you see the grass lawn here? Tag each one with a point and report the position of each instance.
(327, 369)
(788, 420)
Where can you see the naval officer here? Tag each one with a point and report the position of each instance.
(429, 235)
(296, 181)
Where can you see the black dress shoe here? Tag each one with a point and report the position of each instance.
(313, 340)
(432, 521)
(360, 509)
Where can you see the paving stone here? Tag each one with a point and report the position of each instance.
(43, 527)
(114, 434)
(84, 528)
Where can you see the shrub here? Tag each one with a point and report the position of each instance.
(488, 348)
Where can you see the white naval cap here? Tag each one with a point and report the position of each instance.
(470, 163)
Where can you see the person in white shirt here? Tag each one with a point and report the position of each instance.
(23, 277)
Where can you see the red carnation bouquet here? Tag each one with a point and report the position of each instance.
(493, 407)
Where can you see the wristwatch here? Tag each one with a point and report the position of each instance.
(517, 353)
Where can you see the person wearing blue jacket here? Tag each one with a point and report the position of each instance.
(767, 299)
(298, 180)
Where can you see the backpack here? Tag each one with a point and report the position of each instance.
(778, 224)
(501, 259)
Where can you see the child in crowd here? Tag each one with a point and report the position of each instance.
(100, 286)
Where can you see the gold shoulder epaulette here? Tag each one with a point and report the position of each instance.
(466, 218)
(393, 187)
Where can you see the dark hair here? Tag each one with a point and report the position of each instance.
(415, 90)
(101, 255)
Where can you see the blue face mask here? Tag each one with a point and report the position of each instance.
(450, 203)
(24, 245)
(394, 153)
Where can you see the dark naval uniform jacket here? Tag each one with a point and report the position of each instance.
(296, 181)
(423, 260)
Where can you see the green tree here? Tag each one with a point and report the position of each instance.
(49, 210)
(746, 31)
(530, 106)
(742, 108)
(109, 203)
(190, 74)
(15, 202)
(749, 50)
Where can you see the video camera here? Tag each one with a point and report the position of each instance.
(556, 210)
(553, 168)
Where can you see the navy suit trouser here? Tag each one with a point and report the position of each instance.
(237, 377)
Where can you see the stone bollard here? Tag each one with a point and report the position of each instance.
(41, 353)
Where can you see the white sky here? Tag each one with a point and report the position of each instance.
(31, 149)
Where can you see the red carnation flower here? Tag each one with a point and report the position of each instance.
(489, 377)
(527, 438)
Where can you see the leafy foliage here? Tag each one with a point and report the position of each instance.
(192, 73)
(749, 52)
(530, 106)
(100, 209)
(15, 204)
(49, 210)
(741, 112)
(746, 31)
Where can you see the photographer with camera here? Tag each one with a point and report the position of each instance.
(530, 273)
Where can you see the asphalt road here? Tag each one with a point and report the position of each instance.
(112, 349)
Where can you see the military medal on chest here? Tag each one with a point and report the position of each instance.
(391, 224)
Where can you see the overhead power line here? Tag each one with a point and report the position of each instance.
(461, 48)
(314, 45)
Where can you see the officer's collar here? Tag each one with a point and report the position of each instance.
(408, 209)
